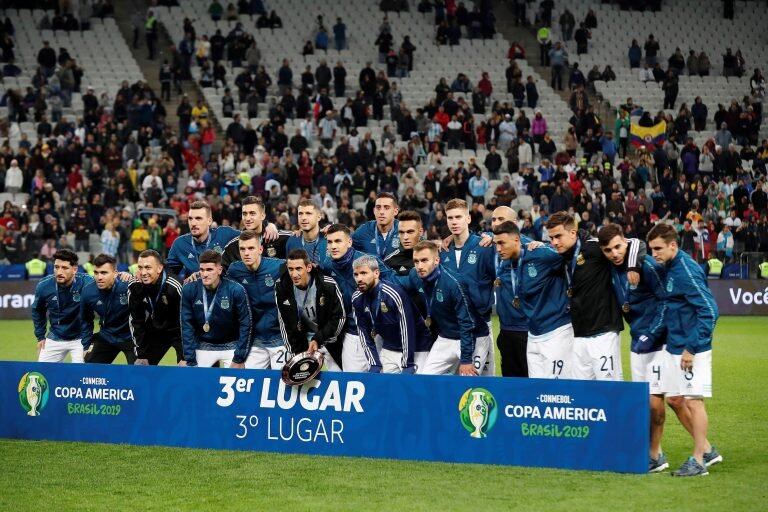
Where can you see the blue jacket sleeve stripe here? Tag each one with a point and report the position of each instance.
(363, 328)
(404, 333)
(706, 310)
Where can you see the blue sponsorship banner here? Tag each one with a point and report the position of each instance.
(522, 422)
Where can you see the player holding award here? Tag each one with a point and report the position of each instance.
(310, 309)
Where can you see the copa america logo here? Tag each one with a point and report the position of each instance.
(478, 411)
(33, 393)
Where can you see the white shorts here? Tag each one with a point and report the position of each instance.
(597, 357)
(391, 361)
(207, 358)
(649, 368)
(443, 359)
(550, 354)
(419, 360)
(483, 347)
(489, 368)
(330, 363)
(261, 358)
(693, 384)
(56, 351)
(353, 354)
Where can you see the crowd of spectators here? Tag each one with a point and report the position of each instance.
(94, 176)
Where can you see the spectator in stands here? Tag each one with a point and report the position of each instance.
(215, 10)
(576, 78)
(651, 50)
(671, 89)
(14, 178)
(516, 51)
(340, 34)
(46, 58)
(275, 21)
(110, 239)
(723, 136)
(232, 14)
(693, 63)
(635, 54)
(757, 84)
(699, 114)
(704, 64)
(557, 57)
(646, 74)
(582, 37)
(729, 63)
(567, 23)
(478, 187)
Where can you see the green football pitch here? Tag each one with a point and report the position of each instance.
(78, 476)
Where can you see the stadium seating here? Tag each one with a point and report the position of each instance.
(680, 24)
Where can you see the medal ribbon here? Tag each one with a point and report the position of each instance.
(152, 303)
(571, 268)
(208, 309)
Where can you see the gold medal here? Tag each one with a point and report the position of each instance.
(428, 322)
(625, 307)
(516, 302)
(580, 259)
(206, 327)
(298, 326)
(373, 333)
(497, 282)
(569, 292)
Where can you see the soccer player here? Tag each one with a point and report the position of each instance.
(513, 333)
(311, 238)
(379, 236)
(474, 267)
(253, 218)
(215, 317)
(107, 296)
(540, 288)
(258, 275)
(187, 249)
(411, 231)
(154, 304)
(594, 309)
(448, 314)
(56, 308)
(690, 320)
(338, 265)
(386, 319)
(644, 310)
(310, 309)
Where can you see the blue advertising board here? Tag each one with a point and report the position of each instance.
(522, 422)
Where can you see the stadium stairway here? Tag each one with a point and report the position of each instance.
(151, 68)
(526, 36)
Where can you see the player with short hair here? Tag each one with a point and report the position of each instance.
(540, 288)
(154, 305)
(379, 236)
(253, 218)
(215, 317)
(310, 309)
(311, 238)
(411, 231)
(513, 326)
(106, 296)
(187, 249)
(644, 310)
(595, 311)
(386, 319)
(258, 274)
(56, 310)
(691, 317)
(449, 314)
(338, 265)
(473, 265)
